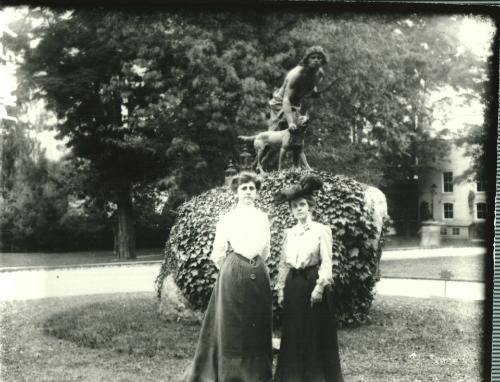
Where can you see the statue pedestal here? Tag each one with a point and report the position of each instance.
(430, 234)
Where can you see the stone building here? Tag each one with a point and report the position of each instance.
(457, 202)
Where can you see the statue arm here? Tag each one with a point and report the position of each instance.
(289, 92)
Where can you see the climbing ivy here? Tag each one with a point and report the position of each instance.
(340, 204)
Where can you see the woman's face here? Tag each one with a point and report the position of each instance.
(300, 209)
(246, 193)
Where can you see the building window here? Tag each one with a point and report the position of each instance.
(481, 210)
(447, 182)
(443, 231)
(448, 210)
(481, 185)
(456, 231)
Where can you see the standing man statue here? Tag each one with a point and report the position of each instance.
(299, 83)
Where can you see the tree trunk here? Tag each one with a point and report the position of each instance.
(124, 232)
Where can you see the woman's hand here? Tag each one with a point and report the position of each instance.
(280, 297)
(316, 296)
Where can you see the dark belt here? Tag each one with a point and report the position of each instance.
(253, 261)
(296, 272)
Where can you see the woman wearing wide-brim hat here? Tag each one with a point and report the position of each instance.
(309, 346)
(236, 334)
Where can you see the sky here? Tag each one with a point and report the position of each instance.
(7, 69)
(476, 34)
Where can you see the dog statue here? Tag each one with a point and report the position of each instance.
(284, 140)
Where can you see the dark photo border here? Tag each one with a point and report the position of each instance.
(483, 8)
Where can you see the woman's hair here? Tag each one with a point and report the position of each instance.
(311, 202)
(245, 177)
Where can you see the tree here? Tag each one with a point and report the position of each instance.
(32, 202)
(382, 71)
(478, 140)
(147, 96)
(374, 120)
(113, 101)
(166, 109)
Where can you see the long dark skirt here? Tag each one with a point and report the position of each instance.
(235, 338)
(309, 347)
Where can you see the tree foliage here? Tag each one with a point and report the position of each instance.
(479, 140)
(31, 199)
(193, 75)
(374, 107)
(340, 205)
(149, 95)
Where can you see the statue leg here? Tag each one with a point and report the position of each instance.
(295, 157)
(280, 160)
(255, 163)
(265, 155)
(259, 160)
(304, 160)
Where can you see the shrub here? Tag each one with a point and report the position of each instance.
(340, 204)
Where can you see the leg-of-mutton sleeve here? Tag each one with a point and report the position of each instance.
(220, 243)
(283, 267)
(267, 247)
(325, 274)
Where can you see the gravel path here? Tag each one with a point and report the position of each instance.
(37, 283)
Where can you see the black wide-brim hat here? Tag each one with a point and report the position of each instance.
(307, 185)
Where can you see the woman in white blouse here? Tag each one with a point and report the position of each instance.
(309, 347)
(235, 338)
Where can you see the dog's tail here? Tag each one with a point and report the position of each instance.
(247, 137)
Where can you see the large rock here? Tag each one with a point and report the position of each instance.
(356, 213)
(377, 203)
(173, 305)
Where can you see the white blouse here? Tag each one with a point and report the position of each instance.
(247, 229)
(305, 245)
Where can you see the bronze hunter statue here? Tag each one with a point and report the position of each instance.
(288, 123)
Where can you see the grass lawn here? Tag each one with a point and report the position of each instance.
(121, 338)
(470, 268)
(34, 259)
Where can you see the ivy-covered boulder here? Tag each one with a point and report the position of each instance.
(355, 212)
